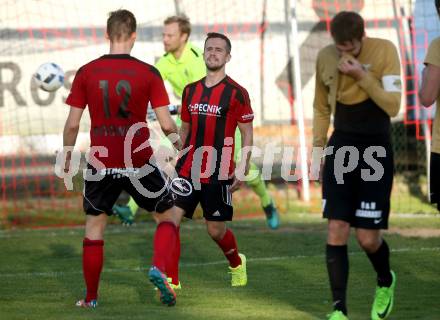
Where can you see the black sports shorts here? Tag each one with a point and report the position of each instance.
(214, 198)
(360, 196)
(150, 192)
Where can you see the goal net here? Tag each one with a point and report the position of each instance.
(71, 33)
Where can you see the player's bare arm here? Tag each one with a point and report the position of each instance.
(167, 125)
(430, 89)
(70, 132)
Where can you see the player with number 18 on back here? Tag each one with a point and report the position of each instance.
(117, 88)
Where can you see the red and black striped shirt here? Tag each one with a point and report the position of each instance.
(213, 114)
(117, 89)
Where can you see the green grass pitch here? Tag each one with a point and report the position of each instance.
(41, 277)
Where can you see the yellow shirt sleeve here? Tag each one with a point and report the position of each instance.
(433, 57)
(433, 54)
(387, 91)
(321, 110)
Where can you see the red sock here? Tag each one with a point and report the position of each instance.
(164, 242)
(229, 247)
(173, 267)
(93, 259)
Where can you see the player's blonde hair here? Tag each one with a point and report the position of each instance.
(182, 21)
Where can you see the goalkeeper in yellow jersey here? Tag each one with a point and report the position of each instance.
(358, 82)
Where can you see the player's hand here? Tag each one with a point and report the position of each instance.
(350, 66)
(67, 162)
(317, 164)
(236, 184)
(67, 166)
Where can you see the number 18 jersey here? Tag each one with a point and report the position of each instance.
(117, 89)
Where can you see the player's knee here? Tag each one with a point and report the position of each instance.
(338, 232)
(216, 232)
(156, 218)
(95, 226)
(171, 215)
(369, 244)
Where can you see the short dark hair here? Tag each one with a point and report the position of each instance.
(182, 21)
(347, 26)
(437, 6)
(120, 24)
(212, 35)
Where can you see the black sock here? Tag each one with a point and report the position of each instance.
(381, 263)
(337, 267)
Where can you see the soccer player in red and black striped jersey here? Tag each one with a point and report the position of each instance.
(117, 89)
(212, 108)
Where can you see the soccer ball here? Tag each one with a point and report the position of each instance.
(49, 77)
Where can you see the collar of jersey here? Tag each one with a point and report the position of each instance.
(186, 54)
(116, 56)
(218, 83)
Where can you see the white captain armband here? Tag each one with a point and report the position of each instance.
(392, 83)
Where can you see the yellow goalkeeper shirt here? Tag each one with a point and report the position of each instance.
(190, 67)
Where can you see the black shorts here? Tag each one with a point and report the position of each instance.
(360, 197)
(434, 180)
(214, 198)
(100, 196)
